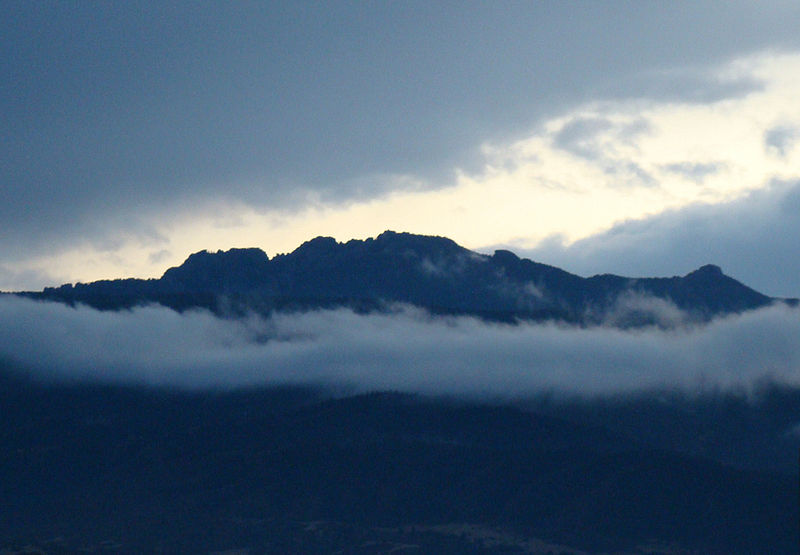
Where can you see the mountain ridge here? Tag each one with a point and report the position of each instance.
(431, 272)
(263, 470)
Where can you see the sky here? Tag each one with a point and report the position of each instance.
(637, 138)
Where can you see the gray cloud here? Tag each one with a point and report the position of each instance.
(579, 137)
(117, 109)
(629, 173)
(779, 140)
(20, 279)
(584, 138)
(694, 85)
(695, 171)
(753, 239)
(406, 350)
(159, 256)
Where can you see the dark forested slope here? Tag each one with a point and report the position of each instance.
(286, 470)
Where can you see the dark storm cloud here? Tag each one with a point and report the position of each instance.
(406, 351)
(753, 239)
(114, 109)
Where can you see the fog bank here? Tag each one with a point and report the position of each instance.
(406, 350)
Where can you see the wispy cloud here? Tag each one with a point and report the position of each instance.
(697, 171)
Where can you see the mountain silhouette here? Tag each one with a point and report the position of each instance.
(430, 272)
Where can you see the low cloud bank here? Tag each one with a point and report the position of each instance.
(407, 350)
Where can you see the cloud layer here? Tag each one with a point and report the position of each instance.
(406, 350)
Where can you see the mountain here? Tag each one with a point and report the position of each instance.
(115, 469)
(434, 273)
(88, 466)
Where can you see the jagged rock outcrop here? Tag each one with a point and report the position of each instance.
(434, 273)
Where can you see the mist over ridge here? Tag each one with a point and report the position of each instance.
(407, 313)
(271, 412)
(433, 273)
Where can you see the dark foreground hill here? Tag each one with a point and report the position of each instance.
(431, 272)
(126, 470)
